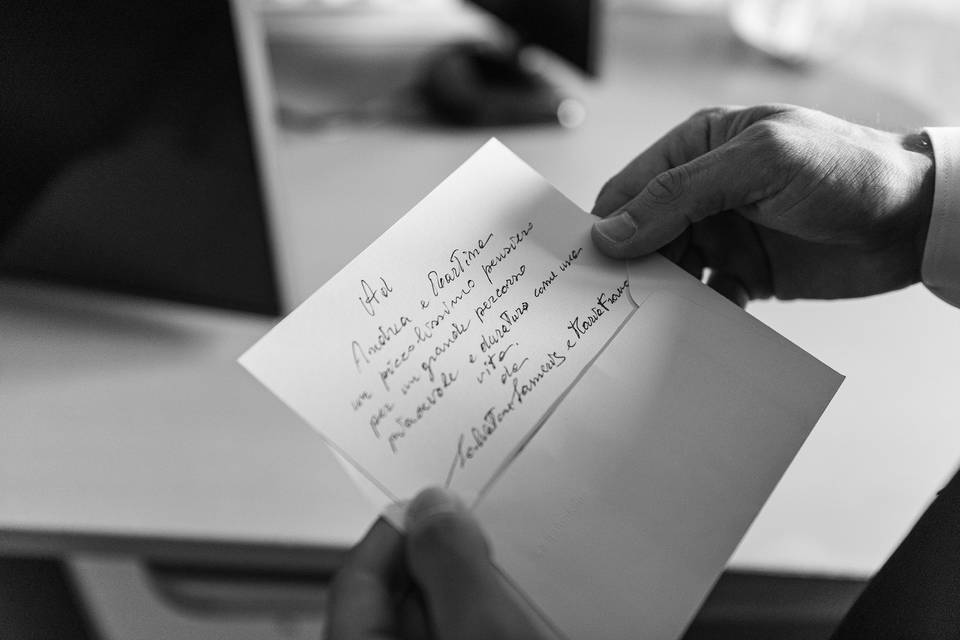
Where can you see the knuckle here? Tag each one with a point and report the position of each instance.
(712, 113)
(715, 124)
(612, 195)
(615, 189)
(608, 188)
(667, 187)
(771, 134)
(715, 118)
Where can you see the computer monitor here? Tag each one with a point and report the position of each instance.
(569, 28)
(133, 151)
(129, 160)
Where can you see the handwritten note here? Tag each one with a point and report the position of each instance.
(436, 353)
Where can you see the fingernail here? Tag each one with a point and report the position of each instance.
(429, 504)
(619, 227)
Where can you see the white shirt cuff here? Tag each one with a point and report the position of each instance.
(940, 271)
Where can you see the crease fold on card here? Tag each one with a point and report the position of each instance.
(535, 428)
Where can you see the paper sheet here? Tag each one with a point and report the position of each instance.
(657, 462)
(433, 355)
(616, 427)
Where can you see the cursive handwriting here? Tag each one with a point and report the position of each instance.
(407, 422)
(468, 449)
(394, 363)
(383, 337)
(457, 330)
(490, 363)
(378, 417)
(581, 324)
(550, 279)
(449, 306)
(498, 293)
(508, 319)
(523, 389)
(540, 290)
(512, 243)
(406, 386)
(459, 260)
(568, 261)
(472, 441)
(360, 399)
(372, 296)
(510, 371)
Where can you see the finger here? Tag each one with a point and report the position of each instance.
(681, 144)
(731, 176)
(730, 288)
(362, 596)
(704, 131)
(449, 558)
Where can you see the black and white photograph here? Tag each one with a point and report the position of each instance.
(480, 319)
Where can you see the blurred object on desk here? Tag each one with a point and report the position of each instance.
(911, 48)
(797, 31)
(428, 62)
(908, 47)
(477, 85)
(358, 62)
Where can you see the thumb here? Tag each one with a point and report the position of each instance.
(449, 559)
(729, 177)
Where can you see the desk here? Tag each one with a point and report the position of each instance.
(127, 426)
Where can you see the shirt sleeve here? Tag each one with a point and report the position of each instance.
(940, 270)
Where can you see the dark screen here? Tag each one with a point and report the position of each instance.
(127, 152)
(569, 28)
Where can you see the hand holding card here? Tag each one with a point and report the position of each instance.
(615, 427)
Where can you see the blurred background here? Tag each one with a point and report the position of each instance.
(174, 177)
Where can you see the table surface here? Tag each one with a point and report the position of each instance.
(128, 421)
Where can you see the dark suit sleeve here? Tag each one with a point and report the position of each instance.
(916, 594)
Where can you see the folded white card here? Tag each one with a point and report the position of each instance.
(616, 431)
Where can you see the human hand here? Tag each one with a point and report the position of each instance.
(776, 201)
(435, 581)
